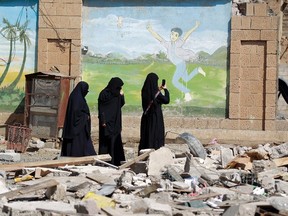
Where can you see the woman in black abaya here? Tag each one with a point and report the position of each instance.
(110, 101)
(77, 126)
(152, 130)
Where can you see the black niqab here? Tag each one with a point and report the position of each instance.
(77, 126)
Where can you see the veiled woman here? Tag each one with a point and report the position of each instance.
(110, 102)
(152, 130)
(76, 135)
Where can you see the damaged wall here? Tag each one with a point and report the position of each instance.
(255, 33)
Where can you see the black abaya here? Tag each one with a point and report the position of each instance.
(152, 130)
(76, 135)
(110, 102)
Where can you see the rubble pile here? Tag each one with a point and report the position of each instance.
(181, 179)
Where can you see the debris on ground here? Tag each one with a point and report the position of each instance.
(176, 180)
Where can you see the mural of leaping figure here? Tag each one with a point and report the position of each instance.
(178, 56)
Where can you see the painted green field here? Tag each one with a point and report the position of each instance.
(208, 93)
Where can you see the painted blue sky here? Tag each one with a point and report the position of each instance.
(123, 28)
(19, 11)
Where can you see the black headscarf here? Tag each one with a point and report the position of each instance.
(149, 89)
(115, 85)
(109, 106)
(77, 112)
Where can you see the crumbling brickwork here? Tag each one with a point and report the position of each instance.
(254, 64)
(59, 36)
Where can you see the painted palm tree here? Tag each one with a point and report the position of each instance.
(24, 38)
(9, 32)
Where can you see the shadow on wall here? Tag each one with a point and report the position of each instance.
(17, 117)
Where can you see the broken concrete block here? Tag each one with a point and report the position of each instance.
(158, 208)
(57, 192)
(87, 207)
(279, 203)
(139, 206)
(281, 186)
(10, 156)
(279, 151)
(226, 156)
(268, 184)
(158, 160)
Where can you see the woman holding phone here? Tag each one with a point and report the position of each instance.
(152, 132)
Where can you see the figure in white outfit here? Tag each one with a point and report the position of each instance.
(178, 56)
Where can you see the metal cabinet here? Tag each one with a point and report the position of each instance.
(46, 98)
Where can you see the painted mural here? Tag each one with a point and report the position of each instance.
(184, 42)
(17, 49)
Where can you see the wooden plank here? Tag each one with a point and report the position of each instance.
(56, 163)
(135, 160)
(281, 161)
(28, 189)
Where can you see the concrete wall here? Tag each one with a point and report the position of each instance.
(253, 73)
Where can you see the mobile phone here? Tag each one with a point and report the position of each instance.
(163, 82)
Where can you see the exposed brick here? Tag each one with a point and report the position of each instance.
(236, 35)
(257, 60)
(271, 86)
(260, 9)
(47, 8)
(256, 86)
(260, 23)
(76, 58)
(213, 123)
(271, 73)
(269, 35)
(251, 73)
(251, 35)
(42, 45)
(251, 124)
(73, 34)
(274, 22)
(270, 100)
(234, 99)
(272, 47)
(190, 122)
(270, 125)
(272, 60)
(42, 57)
(244, 112)
(74, 22)
(270, 112)
(74, 69)
(229, 124)
(234, 111)
(76, 46)
(256, 112)
(74, 9)
(234, 73)
(235, 47)
(235, 59)
(235, 86)
(249, 9)
(245, 60)
(247, 48)
(244, 86)
(236, 22)
(201, 123)
(245, 22)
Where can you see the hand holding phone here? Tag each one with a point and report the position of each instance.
(163, 82)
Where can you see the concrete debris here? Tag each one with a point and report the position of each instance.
(186, 178)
